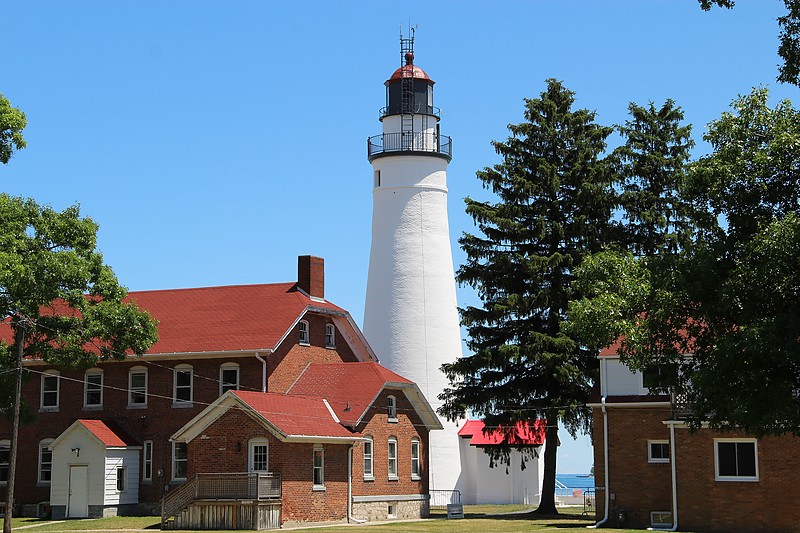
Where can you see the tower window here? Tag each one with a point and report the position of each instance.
(377, 178)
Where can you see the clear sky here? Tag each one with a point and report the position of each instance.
(214, 142)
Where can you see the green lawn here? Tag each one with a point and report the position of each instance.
(475, 521)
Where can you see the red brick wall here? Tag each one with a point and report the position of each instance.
(704, 504)
(216, 451)
(408, 426)
(159, 420)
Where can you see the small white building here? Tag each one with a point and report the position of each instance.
(95, 471)
(502, 483)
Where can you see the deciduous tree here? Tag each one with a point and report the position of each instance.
(60, 302)
(12, 122)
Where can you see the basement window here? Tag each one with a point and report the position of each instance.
(661, 519)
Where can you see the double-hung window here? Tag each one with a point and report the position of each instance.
(415, 466)
(369, 473)
(228, 377)
(179, 461)
(319, 467)
(302, 329)
(50, 383)
(392, 408)
(182, 389)
(392, 458)
(330, 336)
(736, 459)
(137, 387)
(121, 479)
(5, 447)
(45, 462)
(93, 389)
(147, 461)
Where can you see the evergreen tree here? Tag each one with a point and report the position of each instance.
(650, 169)
(553, 207)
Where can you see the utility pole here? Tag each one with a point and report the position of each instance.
(19, 339)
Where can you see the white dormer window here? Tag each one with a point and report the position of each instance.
(330, 336)
(392, 408)
(302, 328)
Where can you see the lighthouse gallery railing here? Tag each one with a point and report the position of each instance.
(409, 142)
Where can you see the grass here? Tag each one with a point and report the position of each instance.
(478, 519)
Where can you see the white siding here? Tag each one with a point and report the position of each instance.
(91, 454)
(502, 484)
(619, 380)
(129, 459)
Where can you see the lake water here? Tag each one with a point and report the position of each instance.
(574, 481)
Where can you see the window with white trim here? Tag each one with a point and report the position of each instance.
(415, 466)
(661, 519)
(93, 388)
(45, 462)
(179, 461)
(5, 449)
(137, 387)
(302, 329)
(319, 467)
(657, 451)
(258, 455)
(330, 336)
(182, 385)
(369, 473)
(121, 474)
(50, 385)
(228, 377)
(391, 406)
(147, 461)
(392, 458)
(736, 459)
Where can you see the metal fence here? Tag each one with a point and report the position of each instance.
(439, 499)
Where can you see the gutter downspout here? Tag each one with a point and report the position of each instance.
(263, 372)
(605, 464)
(674, 479)
(350, 488)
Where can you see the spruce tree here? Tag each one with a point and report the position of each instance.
(553, 206)
(649, 168)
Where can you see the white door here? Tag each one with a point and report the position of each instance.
(78, 506)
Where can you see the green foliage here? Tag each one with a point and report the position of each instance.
(12, 122)
(553, 207)
(649, 169)
(54, 285)
(722, 317)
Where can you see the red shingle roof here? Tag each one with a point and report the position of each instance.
(295, 415)
(350, 388)
(524, 434)
(108, 433)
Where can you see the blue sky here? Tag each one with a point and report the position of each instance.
(214, 142)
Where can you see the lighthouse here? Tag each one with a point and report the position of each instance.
(410, 316)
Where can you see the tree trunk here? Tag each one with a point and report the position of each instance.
(547, 505)
(12, 459)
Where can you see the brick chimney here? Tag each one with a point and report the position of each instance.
(311, 275)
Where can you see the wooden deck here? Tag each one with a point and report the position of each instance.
(224, 501)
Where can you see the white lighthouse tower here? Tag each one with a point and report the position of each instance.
(410, 317)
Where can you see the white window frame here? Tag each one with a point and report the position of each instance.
(225, 386)
(657, 519)
(369, 473)
(416, 467)
(182, 369)
(92, 373)
(330, 336)
(122, 479)
(4, 464)
(718, 477)
(651, 458)
(303, 333)
(318, 452)
(251, 456)
(44, 445)
(391, 455)
(47, 375)
(131, 372)
(147, 461)
(176, 460)
(391, 409)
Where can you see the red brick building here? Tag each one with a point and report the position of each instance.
(662, 475)
(255, 339)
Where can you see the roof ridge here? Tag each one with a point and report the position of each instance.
(183, 289)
